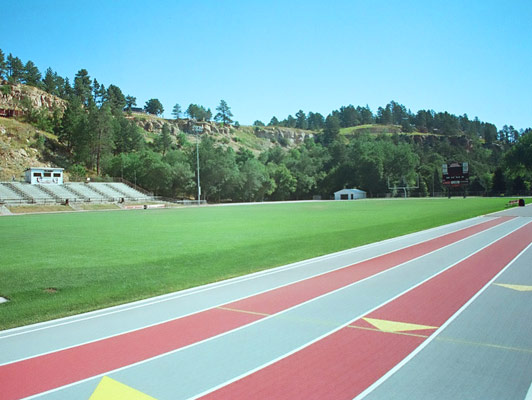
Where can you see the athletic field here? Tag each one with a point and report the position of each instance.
(53, 265)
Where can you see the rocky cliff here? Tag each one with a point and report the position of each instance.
(11, 97)
(154, 124)
(286, 136)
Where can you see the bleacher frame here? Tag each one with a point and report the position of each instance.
(99, 192)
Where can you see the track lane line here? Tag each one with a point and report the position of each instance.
(275, 300)
(71, 319)
(529, 393)
(460, 234)
(397, 367)
(48, 366)
(263, 381)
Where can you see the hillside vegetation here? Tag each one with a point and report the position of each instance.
(93, 130)
(22, 145)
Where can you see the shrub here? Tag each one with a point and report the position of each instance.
(77, 172)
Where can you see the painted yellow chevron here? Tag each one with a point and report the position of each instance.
(394, 326)
(520, 288)
(109, 389)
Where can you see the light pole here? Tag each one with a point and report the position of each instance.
(198, 129)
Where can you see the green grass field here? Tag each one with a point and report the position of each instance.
(55, 265)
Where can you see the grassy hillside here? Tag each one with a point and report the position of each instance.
(375, 129)
(21, 146)
(60, 264)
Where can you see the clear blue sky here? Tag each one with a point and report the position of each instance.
(270, 58)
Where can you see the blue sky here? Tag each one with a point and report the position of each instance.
(270, 58)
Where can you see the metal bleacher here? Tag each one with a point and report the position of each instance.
(127, 191)
(109, 191)
(88, 191)
(8, 195)
(32, 193)
(61, 192)
(22, 192)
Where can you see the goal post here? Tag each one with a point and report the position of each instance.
(403, 185)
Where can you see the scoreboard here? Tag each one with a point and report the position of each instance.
(455, 174)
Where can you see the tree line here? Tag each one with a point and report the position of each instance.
(97, 136)
(424, 121)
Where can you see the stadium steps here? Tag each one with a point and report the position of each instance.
(46, 189)
(77, 194)
(9, 194)
(32, 193)
(88, 191)
(117, 189)
(107, 191)
(61, 193)
(19, 192)
(128, 192)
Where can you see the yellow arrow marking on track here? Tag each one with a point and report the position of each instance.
(520, 288)
(109, 389)
(394, 326)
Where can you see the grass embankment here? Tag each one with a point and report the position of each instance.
(96, 207)
(24, 209)
(54, 265)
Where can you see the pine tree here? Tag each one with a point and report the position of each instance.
(15, 69)
(96, 93)
(102, 134)
(301, 120)
(332, 129)
(65, 90)
(224, 113)
(176, 111)
(3, 65)
(198, 113)
(274, 121)
(49, 81)
(116, 99)
(154, 106)
(32, 76)
(72, 132)
(290, 122)
(82, 86)
(164, 141)
(130, 102)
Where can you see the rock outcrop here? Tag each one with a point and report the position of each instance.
(287, 136)
(155, 125)
(11, 98)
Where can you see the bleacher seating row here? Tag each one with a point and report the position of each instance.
(21, 192)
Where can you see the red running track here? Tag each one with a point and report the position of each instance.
(345, 363)
(42, 373)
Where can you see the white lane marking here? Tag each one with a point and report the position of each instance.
(529, 393)
(258, 293)
(398, 366)
(187, 292)
(264, 319)
(344, 325)
(273, 316)
(280, 313)
(255, 294)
